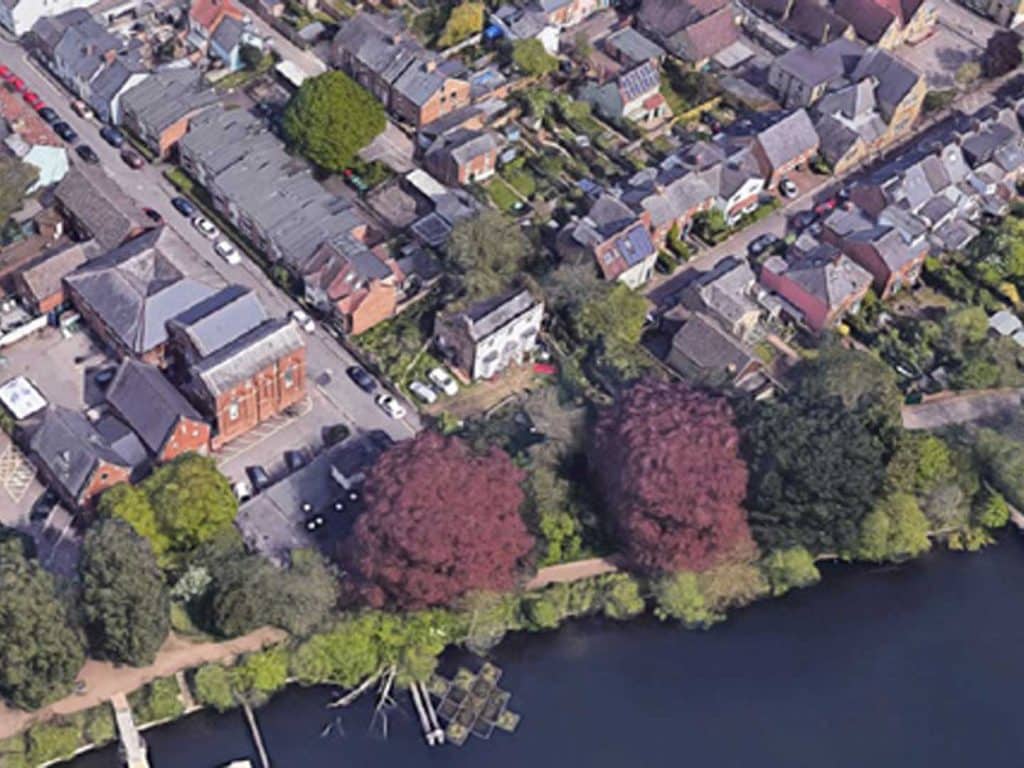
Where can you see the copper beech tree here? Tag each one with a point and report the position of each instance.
(440, 521)
(666, 461)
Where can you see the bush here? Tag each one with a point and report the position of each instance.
(679, 597)
(52, 741)
(622, 598)
(99, 727)
(160, 700)
(212, 685)
(262, 674)
(788, 569)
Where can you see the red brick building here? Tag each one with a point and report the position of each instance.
(462, 156)
(361, 286)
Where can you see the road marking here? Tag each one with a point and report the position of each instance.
(261, 433)
(16, 472)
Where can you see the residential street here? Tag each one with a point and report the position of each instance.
(307, 61)
(326, 359)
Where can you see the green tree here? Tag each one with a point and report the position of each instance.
(622, 597)
(249, 592)
(261, 674)
(131, 504)
(679, 597)
(992, 510)
(529, 55)
(52, 741)
(582, 48)
(791, 568)
(546, 608)
(490, 251)
(99, 727)
(967, 73)
(331, 118)
(894, 530)
(610, 325)
(15, 179)
(213, 687)
(250, 55)
(731, 585)
(124, 596)
(1002, 464)
(920, 463)
(160, 700)
(41, 650)
(192, 500)
(465, 20)
(552, 515)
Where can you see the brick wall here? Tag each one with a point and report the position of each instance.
(187, 436)
(106, 476)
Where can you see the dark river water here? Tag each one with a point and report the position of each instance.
(920, 665)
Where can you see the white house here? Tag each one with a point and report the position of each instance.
(18, 16)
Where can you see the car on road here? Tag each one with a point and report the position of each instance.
(104, 377)
(423, 391)
(228, 252)
(49, 115)
(86, 152)
(788, 188)
(304, 321)
(18, 84)
(243, 491)
(132, 158)
(803, 220)
(362, 379)
(205, 227)
(81, 109)
(153, 216)
(761, 243)
(258, 477)
(443, 380)
(183, 206)
(65, 131)
(112, 136)
(387, 403)
(33, 99)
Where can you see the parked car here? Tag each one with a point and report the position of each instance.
(315, 523)
(390, 406)
(423, 391)
(258, 477)
(205, 227)
(243, 491)
(228, 252)
(304, 321)
(443, 380)
(49, 115)
(183, 206)
(18, 84)
(81, 108)
(86, 152)
(112, 136)
(295, 460)
(153, 216)
(362, 379)
(826, 206)
(132, 158)
(803, 220)
(104, 377)
(761, 244)
(787, 188)
(65, 131)
(5, 72)
(32, 98)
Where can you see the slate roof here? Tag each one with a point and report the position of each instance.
(827, 64)
(220, 318)
(44, 277)
(823, 272)
(708, 347)
(218, 138)
(111, 79)
(667, 17)
(82, 46)
(896, 79)
(814, 23)
(633, 46)
(870, 19)
(228, 34)
(71, 449)
(99, 204)
(789, 138)
(247, 355)
(463, 145)
(485, 317)
(148, 402)
(49, 30)
(136, 288)
(710, 35)
(163, 98)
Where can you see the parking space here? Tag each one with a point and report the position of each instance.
(392, 147)
(941, 55)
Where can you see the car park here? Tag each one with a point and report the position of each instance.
(183, 206)
(228, 252)
(86, 152)
(258, 477)
(787, 188)
(443, 380)
(423, 391)
(361, 378)
(49, 115)
(104, 377)
(387, 403)
(304, 321)
(295, 460)
(112, 136)
(65, 131)
(43, 506)
(205, 227)
(132, 158)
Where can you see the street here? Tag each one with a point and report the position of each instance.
(327, 360)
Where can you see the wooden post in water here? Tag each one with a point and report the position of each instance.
(256, 737)
(428, 730)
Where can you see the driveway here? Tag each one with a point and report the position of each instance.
(952, 408)
(941, 55)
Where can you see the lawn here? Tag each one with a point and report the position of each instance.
(521, 179)
(502, 195)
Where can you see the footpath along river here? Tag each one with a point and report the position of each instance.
(917, 665)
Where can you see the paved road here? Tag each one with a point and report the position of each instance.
(305, 60)
(961, 408)
(326, 359)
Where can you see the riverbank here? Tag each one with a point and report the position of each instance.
(912, 665)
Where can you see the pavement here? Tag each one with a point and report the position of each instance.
(304, 60)
(946, 409)
(339, 399)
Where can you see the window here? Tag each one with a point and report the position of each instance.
(289, 378)
(233, 410)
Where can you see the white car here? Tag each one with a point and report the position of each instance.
(390, 406)
(788, 188)
(205, 227)
(243, 491)
(423, 392)
(227, 252)
(441, 379)
(304, 321)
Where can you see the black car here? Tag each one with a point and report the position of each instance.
(49, 115)
(380, 440)
(761, 244)
(803, 220)
(85, 152)
(295, 460)
(104, 377)
(43, 506)
(258, 477)
(153, 216)
(362, 379)
(112, 136)
(183, 206)
(65, 131)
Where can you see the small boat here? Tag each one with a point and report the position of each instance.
(239, 764)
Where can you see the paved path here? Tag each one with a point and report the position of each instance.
(103, 681)
(960, 408)
(566, 572)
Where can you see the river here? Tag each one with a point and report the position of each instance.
(920, 665)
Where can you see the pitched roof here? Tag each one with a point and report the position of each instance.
(896, 79)
(71, 449)
(632, 45)
(487, 316)
(209, 12)
(710, 35)
(229, 33)
(814, 23)
(136, 288)
(463, 145)
(789, 138)
(823, 272)
(826, 64)
(709, 348)
(148, 402)
(247, 355)
(869, 18)
(99, 204)
(667, 17)
(639, 81)
(220, 318)
(43, 278)
(163, 98)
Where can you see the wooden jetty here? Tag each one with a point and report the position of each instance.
(256, 736)
(432, 731)
(472, 704)
(133, 747)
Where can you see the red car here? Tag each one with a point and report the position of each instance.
(32, 98)
(39, 106)
(18, 84)
(5, 72)
(826, 207)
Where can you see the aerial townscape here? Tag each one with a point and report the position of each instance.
(340, 340)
